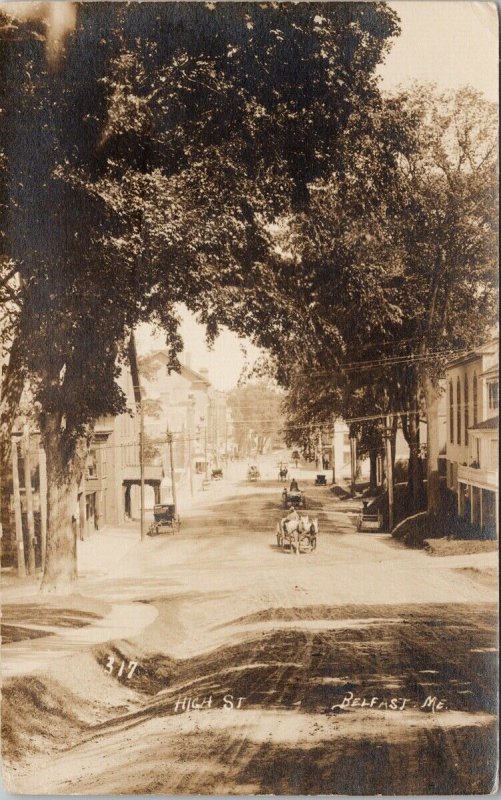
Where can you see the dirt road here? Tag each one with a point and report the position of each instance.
(362, 667)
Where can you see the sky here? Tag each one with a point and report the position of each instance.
(448, 42)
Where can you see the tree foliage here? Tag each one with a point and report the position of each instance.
(146, 168)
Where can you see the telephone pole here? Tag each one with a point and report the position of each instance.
(141, 465)
(353, 459)
(21, 566)
(42, 466)
(389, 470)
(28, 493)
(334, 452)
(172, 473)
(205, 454)
(190, 463)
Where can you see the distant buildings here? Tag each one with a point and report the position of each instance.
(472, 436)
(110, 491)
(110, 488)
(185, 404)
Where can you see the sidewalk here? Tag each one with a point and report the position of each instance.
(38, 629)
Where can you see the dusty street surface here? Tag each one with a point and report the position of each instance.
(362, 667)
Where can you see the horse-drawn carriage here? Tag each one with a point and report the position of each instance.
(369, 520)
(293, 497)
(253, 473)
(321, 480)
(165, 519)
(299, 534)
(217, 474)
(282, 472)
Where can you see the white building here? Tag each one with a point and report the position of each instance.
(472, 435)
(186, 404)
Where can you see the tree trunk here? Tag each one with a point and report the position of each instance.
(393, 440)
(28, 493)
(64, 470)
(431, 391)
(415, 474)
(373, 470)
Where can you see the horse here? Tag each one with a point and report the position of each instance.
(282, 475)
(308, 529)
(289, 529)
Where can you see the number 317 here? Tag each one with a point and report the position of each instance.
(110, 667)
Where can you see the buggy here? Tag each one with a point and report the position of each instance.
(165, 519)
(253, 474)
(369, 520)
(320, 480)
(298, 535)
(217, 474)
(294, 498)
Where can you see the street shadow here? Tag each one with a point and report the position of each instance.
(27, 613)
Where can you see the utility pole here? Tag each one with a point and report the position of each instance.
(141, 465)
(190, 463)
(21, 566)
(172, 473)
(42, 469)
(334, 452)
(389, 470)
(29, 499)
(353, 463)
(205, 454)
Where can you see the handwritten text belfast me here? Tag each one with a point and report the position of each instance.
(431, 703)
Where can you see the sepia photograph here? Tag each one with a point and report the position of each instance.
(249, 398)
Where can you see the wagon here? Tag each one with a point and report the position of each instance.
(295, 498)
(253, 474)
(369, 521)
(165, 519)
(298, 537)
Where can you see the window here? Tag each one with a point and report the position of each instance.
(475, 399)
(466, 410)
(458, 392)
(493, 389)
(475, 453)
(92, 464)
(451, 413)
(494, 454)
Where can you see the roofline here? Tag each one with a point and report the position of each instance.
(184, 368)
(488, 348)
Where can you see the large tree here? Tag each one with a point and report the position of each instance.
(143, 169)
(447, 231)
(399, 271)
(257, 416)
